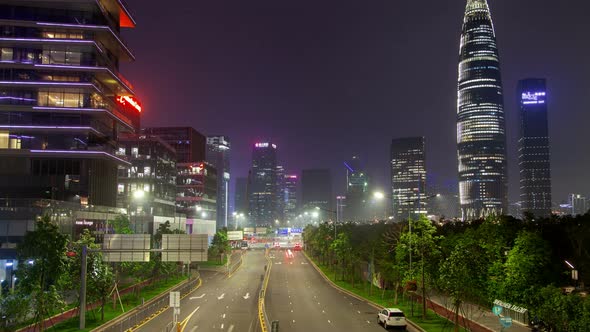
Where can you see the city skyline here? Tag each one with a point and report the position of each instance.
(368, 56)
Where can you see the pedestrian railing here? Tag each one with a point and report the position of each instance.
(135, 318)
(262, 316)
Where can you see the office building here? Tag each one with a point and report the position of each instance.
(533, 148)
(190, 145)
(290, 197)
(408, 178)
(316, 192)
(196, 195)
(481, 135)
(357, 191)
(263, 192)
(241, 196)
(147, 189)
(63, 101)
(218, 149)
(578, 203)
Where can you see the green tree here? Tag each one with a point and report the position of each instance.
(121, 225)
(15, 307)
(44, 250)
(220, 244)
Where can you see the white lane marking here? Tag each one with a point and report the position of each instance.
(221, 296)
(222, 326)
(194, 328)
(247, 296)
(223, 316)
(358, 311)
(323, 311)
(291, 310)
(197, 297)
(329, 321)
(368, 322)
(231, 328)
(293, 321)
(279, 263)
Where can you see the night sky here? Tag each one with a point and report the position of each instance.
(328, 79)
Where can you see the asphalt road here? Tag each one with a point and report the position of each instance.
(301, 300)
(221, 303)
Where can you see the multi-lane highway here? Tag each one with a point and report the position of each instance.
(301, 300)
(221, 303)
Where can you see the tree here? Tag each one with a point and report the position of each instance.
(220, 244)
(44, 250)
(342, 248)
(121, 225)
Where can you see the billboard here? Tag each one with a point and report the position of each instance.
(261, 230)
(126, 247)
(249, 230)
(235, 235)
(184, 247)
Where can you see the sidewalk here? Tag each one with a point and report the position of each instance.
(473, 317)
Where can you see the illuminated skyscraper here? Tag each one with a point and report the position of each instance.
(408, 178)
(481, 136)
(218, 148)
(290, 197)
(357, 191)
(263, 184)
(533, 156)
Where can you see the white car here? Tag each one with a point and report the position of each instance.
(392, 317)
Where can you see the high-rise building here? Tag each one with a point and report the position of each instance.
(263, 185)
(481, 135)
(578, 204)
(280, 216)
(290, 197)
(218, 148)
(147, 189)
(357, 191)
(190, 145)
(534, 153)
(316, 191)
(533, 148)
(408, 178)
(63, 101)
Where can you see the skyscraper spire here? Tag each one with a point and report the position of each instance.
(481, 136)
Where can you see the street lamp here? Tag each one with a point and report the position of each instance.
(574, 272)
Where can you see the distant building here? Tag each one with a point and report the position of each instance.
(357, 191)
(147, 189)
(578, 203)
(218, 153)
(408, 178)
(190, 145)
(316, 191)
(481, 132)
(290, 197)
(263, 193)
(281, 194)
(534, 155)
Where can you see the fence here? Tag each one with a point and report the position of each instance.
(137, 316)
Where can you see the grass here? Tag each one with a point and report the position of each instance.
(130, 301)
(215, 262)
(432, 323)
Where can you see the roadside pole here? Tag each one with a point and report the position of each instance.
(83, 290)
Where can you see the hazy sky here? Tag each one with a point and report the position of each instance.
(328, 79)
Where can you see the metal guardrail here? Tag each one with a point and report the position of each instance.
(133, 319)
(262, 316)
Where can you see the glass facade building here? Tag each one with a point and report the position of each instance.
(290, 197)
(188, 143)
(481, 134)
(218, 148)
(262, 190)
(408, 178)
(533, 148)
(63, 101)
(357, 191)
(316, 191)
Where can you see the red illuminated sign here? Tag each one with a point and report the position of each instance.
(129, 101)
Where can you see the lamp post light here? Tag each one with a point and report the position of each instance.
(575, 276)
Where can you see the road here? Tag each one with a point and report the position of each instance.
(301, 300)
(221, 303)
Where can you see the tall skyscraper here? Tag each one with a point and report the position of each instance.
(481, 135)
(263, 185)
(280, 194)
(218, 148)
(357, 191)
(63, 100)
(578, 203)
(290, 197)
(316, 191)
(408, 178)
(533, 150)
